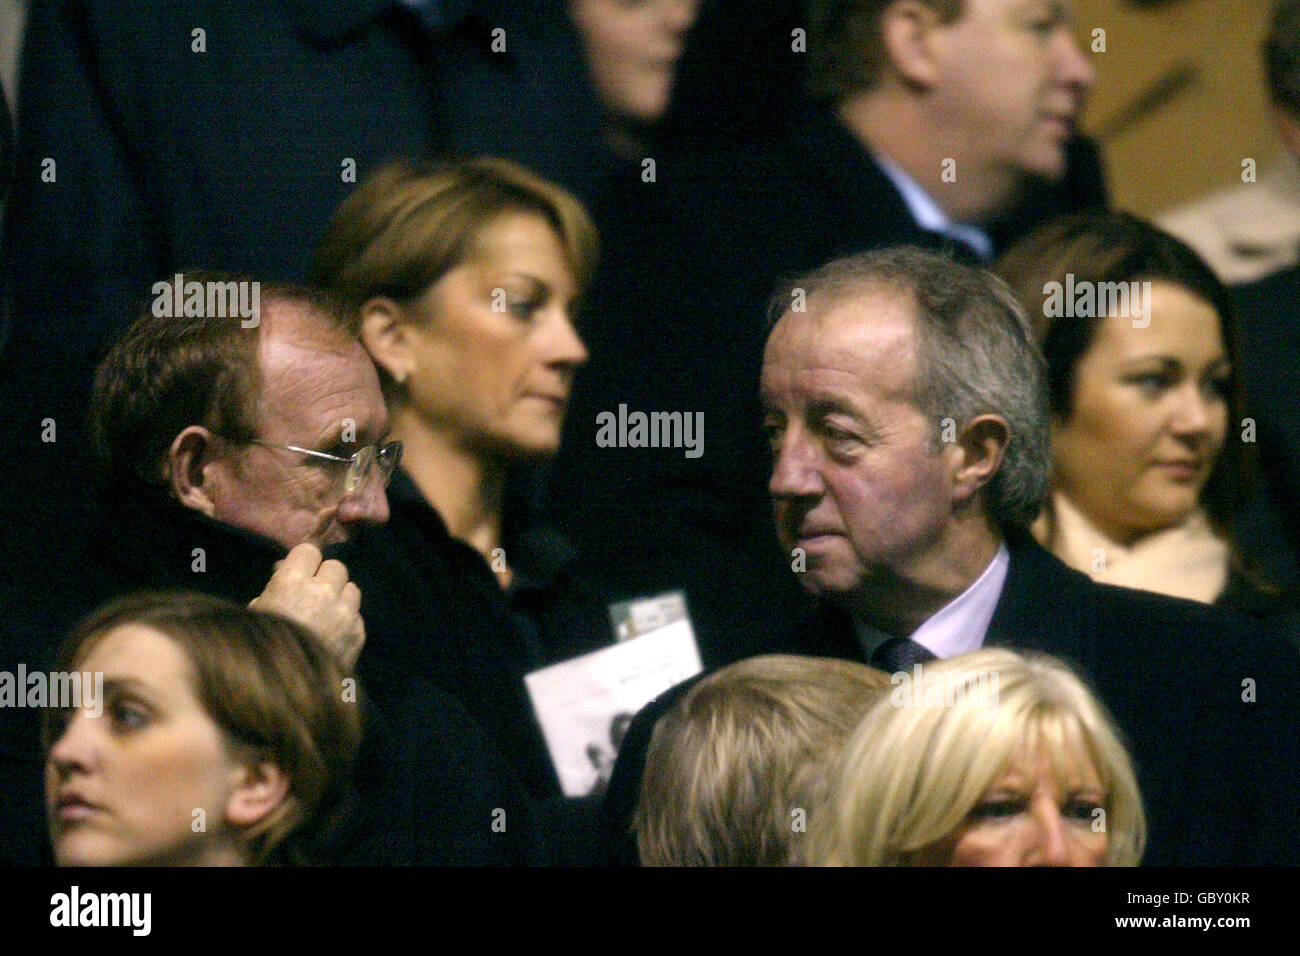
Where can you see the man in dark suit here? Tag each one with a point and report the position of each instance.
(906, 413)
(224, 440)
(927, 129)
(184, 506)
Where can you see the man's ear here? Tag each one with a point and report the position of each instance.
(187, 460)
(385, 333)
(1288, 127)
(261, 787)
(908, 30)
(980, 448)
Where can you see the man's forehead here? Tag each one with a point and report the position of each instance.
(314, 379)
(291, 320)
(867, 331)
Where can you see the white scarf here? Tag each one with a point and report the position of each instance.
(1187, 561)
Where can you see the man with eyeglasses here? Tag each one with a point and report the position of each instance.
(225, 442)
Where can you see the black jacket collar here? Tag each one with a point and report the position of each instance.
(1042, 607)
(850, 175)
(1043, 604)
(149, 541)
(538, 553)
(871, 210)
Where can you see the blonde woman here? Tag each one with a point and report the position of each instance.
(1000, 759)
(464, 281)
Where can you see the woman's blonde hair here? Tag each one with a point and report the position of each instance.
(732, 769)
(922, 758)
(409, 224)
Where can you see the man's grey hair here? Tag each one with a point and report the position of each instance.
(975, 355)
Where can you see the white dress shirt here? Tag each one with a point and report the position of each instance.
(960, 626)
(929, 215)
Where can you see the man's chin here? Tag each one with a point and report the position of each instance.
(346, 548)
(1048, 166)
(828, 583)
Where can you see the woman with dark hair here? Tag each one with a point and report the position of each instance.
(223, 737)
(1152, 454)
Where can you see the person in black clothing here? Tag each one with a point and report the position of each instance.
(223, 443)
(1270, 349)
(464, 282)
(271, 423)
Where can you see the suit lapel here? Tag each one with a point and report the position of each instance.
(1044, 605)
(869, 209)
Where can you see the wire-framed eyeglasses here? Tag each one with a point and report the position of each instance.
(386, 457)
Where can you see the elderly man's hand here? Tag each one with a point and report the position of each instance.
(319, 596)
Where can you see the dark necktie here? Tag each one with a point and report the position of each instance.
(963, 252)
(899, 654)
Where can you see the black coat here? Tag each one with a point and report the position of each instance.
(1218, 775)
(233, 157)
(434, 608)
(1270, 375)
(429, 784)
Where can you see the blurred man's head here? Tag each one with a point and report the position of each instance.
(1282, 66)
(905, 409)
(204, 407)
(735, 766)
(995, 86)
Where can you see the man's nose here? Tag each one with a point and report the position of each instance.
(368, 504)
(794, 468)
(1075, 65)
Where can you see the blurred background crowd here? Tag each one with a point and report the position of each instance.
(480, 226)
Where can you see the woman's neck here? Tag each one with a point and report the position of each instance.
(1061, 506)
(466, 490)
(1188, 560)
